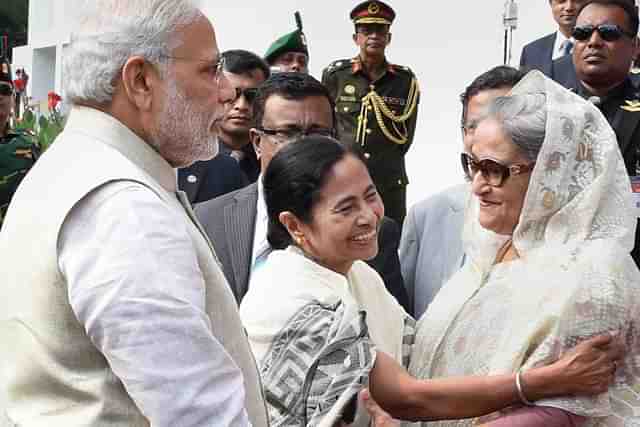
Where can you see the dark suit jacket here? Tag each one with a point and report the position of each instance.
(564, 72)
(205, 180)
(537, 55)
(229, 221)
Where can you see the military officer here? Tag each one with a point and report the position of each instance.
(376, 104)
(289, 53)
(18, 152)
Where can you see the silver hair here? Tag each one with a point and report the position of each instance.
(111, 31)
(523, 119)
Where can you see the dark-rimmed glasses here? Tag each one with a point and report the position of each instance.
(283, 136)
(608, 32)
(494, 172)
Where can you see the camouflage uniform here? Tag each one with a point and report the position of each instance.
(17, 154)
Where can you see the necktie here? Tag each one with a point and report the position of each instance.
(568, 48)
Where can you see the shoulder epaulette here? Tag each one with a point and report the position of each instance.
(340, 64)
(631, 105)
(403, 68)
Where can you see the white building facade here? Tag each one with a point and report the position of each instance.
(49, 31)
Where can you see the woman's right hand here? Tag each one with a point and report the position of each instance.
(589, 367)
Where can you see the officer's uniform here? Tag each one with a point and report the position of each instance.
(18, 152)
(377, 117)
(294, 41)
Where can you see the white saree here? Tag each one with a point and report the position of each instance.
(315, 332)
(574, 278)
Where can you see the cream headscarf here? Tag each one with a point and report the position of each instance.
(574, 279)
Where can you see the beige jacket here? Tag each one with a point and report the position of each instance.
(51, 373)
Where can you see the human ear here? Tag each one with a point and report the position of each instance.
(139, 79)
(254, 137)
(293, 225)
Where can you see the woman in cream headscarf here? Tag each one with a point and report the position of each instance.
(322, 325)
(548, 233)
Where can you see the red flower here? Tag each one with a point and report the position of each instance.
(53, 99)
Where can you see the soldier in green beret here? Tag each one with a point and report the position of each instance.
(18, 152)
(376, 104)
(289, 53)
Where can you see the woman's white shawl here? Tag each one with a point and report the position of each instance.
(291, 287)
(574, 279)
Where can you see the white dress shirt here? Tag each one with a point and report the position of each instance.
(560, 45)
(135, 284)
(260, 243)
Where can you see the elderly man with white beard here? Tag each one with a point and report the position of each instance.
(114, 311)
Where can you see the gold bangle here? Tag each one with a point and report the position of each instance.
(523, 398)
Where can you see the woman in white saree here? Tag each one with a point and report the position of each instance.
(548, 233)
(322, 325)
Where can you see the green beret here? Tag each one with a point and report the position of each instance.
(294, 41)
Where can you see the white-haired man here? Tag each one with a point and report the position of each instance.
(114, 310)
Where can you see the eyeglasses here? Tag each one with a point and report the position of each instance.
(492, 171)
(6, 89)
(283, 136)
(215, 68)
(608, 32)
(249, 94)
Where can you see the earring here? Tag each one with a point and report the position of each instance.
(299, 240)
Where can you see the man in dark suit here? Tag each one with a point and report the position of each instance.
(208, 179)
(287, 106)
(606, 43)
(204, 180)
(541, 53)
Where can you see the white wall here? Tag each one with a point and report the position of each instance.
(44, 71)
(446, 43)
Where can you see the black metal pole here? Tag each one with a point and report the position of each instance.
(506, 47)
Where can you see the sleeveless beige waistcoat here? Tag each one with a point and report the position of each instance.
(50, 372)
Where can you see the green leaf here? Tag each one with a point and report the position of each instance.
(43, 123)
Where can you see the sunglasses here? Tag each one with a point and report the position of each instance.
(249, 94)
(608, 32)
(493, 172)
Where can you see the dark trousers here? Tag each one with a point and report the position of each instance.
(395, 202)
(18, 99)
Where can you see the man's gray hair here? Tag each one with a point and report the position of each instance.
(523, 119)
(108, 32)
